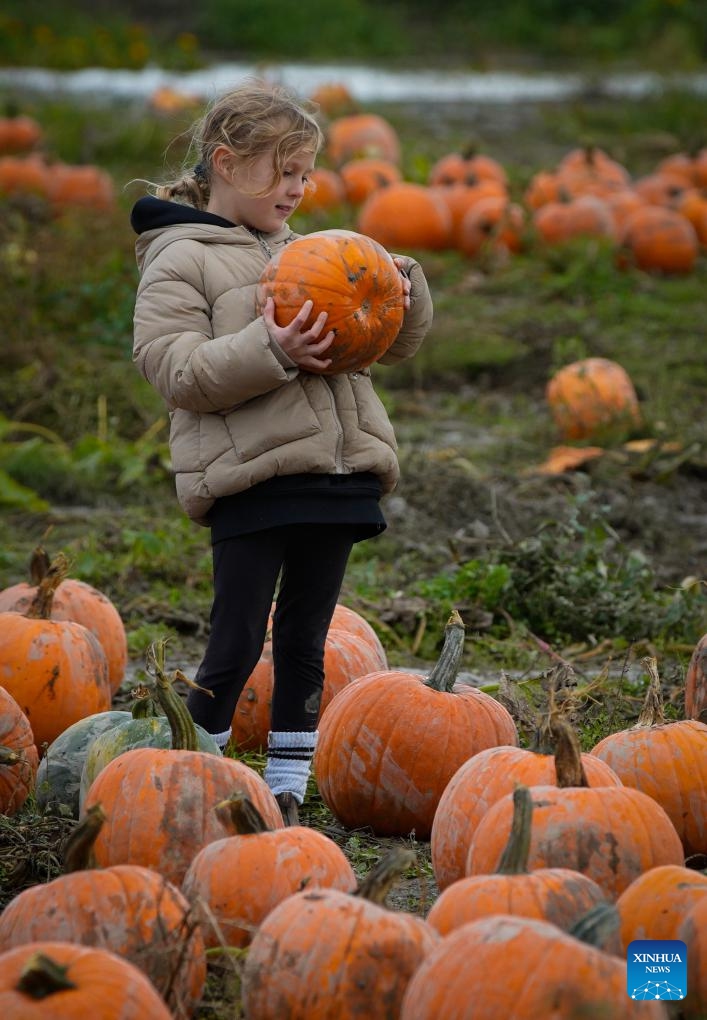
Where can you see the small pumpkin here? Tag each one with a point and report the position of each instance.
(19, 133)
(78, 601)
(406, 216)
(362, 177)
(585, 216)
(659, 240)
(467, 168)
(593, 398)
(390, 742)
(244, 876)
(334, 98)
(63, 980)
(18, 755)
(655, 904)
(358, 135)
(327, 953)
(666, 760)
(558, 895)
(492, 224)
(325, 190)
(349, 276)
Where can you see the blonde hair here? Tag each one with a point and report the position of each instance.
(253, 118)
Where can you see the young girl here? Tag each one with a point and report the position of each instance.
(285, 466)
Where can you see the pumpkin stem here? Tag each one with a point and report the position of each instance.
(568, 755)
(10, 757)
(78, 849)
(239, 816)
(514, 859)
(181, 724)
(38, 565)
(143, 706)
(653, 711)
(41, 977)
(599, 926)
(41, 605)
(380, 879)
(445, 672)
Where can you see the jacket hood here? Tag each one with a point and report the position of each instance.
(158, 223)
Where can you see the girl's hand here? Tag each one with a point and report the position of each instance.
(407, 286)
(303, 346)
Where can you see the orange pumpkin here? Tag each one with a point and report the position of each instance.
(379, 761)
(665, 189)
(334, 98)
(406, 216)
(467, 168)
(586, 216)
(484, 779)
(362, 135)
(56, 670)
(81, 186)
(128, 910)
(612, 834)
(347, 275)
(542, 188)
(693, 206)
(558, 895)
(64, 981)
(78, 601)
(654, 905)
(658, 239)
(666, 760)
(696, 682)
(325, 190)
(362, 177)
(460, 198)
(327, 953)
(24, 175)
(244, 876)
(18, 755)
(519, 967)
(593, 398)
(19, 133)
(693, 932)
(491, 224)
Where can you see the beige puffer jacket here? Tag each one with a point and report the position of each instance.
(240, 410)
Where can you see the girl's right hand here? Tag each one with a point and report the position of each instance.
(303, 346)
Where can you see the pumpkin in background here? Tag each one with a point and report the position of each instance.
(666, 760)
(64, 981)
(349, 276)
(78, 601)
(558, 895)
(693, 932)
(466, 168)
(542, 188)
(654, 905)
(81, 186)
(326, 953)
(585, 216)
(484, 779)
(334, 98)
(362, 177)
(696, 682)
(612, 834)
(325, 190)
(524, 969)
(24, 175)
(18, 755)
(693, 207)
(158, 802)
(659, 240)
(492, 224)
(592, 399)
(128, 910)
(59, 773)
(360, 135)
(461, 198)
(389, 742)
(662, 188)
(406, 216)
(19, 134)
(55, 670)
(241, 878)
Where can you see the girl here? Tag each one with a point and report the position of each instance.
(284, 465)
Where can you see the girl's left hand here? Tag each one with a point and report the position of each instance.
(407, 286)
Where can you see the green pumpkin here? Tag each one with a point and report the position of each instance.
(131, 733)
(59, 773)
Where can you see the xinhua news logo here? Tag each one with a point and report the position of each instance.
(656, 969)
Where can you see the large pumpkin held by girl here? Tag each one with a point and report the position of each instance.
(349, 276)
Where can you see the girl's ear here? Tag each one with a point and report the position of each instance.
(223, 163)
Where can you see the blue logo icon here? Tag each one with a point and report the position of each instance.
(656, 969)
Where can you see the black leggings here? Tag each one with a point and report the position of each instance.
(312, 559)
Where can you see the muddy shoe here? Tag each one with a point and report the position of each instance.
(288, 807)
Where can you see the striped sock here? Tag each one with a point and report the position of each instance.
(289, 761)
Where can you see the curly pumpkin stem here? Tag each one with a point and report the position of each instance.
(381, 878)
(41, 605)
(41, 977)
(181, 724)
(568, 755)
(78, 849)
(239, 815)
(445, 672)
(653, 710)
(38, 565)
(514, 859)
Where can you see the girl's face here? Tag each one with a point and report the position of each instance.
(266, 213)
